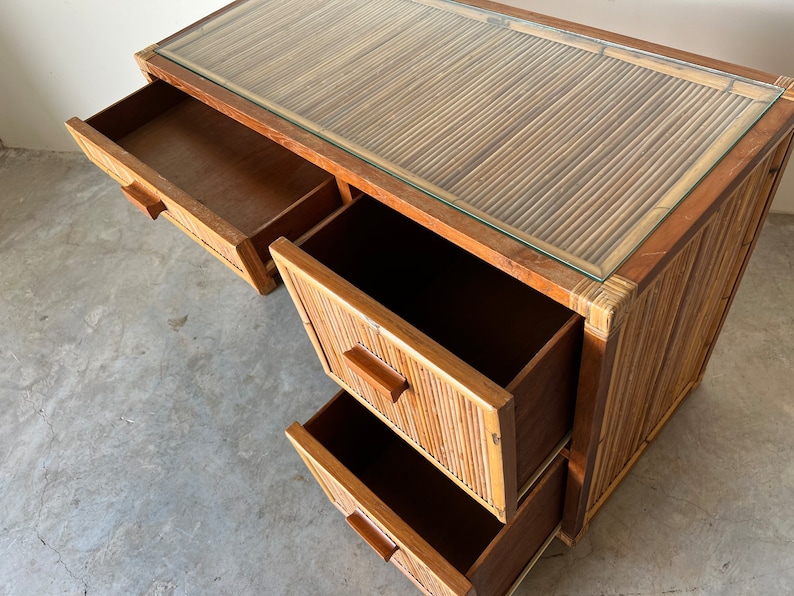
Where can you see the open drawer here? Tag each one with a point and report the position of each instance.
(476, 370)
(228, 187)
(415, 516)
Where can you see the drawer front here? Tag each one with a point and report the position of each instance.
(153, 195)
(452, 414)
(495, 568)
(414, 557)
(205, 235)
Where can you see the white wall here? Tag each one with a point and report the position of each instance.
(755, 33)
(63, 58)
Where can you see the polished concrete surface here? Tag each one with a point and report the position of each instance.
(145, 390)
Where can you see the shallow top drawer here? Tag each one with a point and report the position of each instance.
(476, 370)
(230, 188)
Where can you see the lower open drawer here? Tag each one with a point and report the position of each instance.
(416, 517)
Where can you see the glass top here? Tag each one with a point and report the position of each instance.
(574, 146)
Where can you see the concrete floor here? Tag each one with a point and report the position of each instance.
(146, 390)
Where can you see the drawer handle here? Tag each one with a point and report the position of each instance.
(372, 535)
(377, 373)
(149, 205)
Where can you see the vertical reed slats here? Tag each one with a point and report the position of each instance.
(432, 413)
(191, 225)
(666, 335)
(572, 145)
(409, 564)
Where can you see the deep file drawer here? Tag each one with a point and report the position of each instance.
(476, 370)
(228, 187)
(416, 517)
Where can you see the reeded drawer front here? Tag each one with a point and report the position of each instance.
(442, 347)
(231, 189)
(416, 517)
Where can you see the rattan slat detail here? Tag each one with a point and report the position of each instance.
(686, 301)
(125, 175)
(420, 574)
(432, 414)
(189, 224)
(574, 146)
(405, 560)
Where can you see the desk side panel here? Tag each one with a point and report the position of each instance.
(671, 327)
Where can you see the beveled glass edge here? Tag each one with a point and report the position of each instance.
(597, 272)
(774, 90)
(496, 19)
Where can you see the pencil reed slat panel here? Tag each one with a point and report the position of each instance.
(668, 332)
(414, 557)
(572, 145)
(206, 236)
(432, 413)
(419, 573)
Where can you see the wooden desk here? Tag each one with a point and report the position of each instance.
(508, 374)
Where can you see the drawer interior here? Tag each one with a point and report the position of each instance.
(240, 175)
(490, 320)
(445, 516)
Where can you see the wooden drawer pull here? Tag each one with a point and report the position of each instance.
(377, 373)
(148, 204)
(372, 535)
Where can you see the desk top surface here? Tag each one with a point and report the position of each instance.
(574, 146)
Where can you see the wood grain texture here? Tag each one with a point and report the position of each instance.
(190, 215)
(242, 177)
(414, 556)
(372, 535)
(671, 246)
(150, 206)
(344, 279)
(141, 57)
(506, 557)
(595, 376)
(550, 376)
(374, 371)
(300, 217)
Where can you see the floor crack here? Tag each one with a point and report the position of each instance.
(651, 483)
(572, 559)
(63, 563)
(43, 414)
